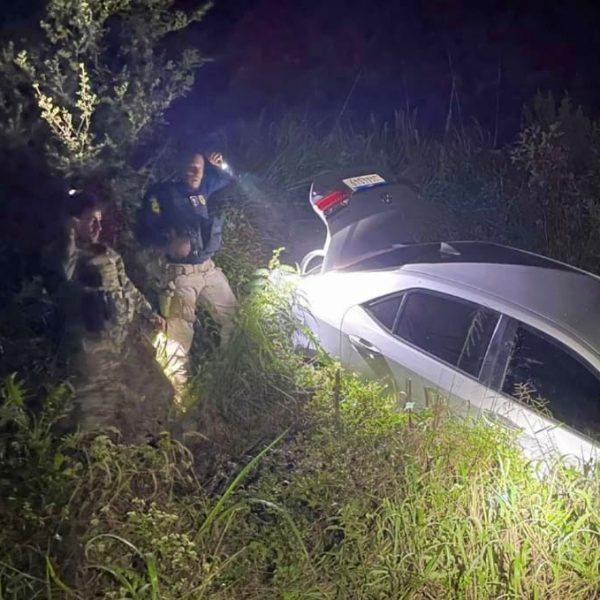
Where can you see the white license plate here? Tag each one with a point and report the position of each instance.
(363, 181)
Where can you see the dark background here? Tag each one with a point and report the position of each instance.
(366, 57)
(361, 57)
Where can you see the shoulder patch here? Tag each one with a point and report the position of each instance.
(155, 205)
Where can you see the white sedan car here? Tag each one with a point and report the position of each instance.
(509, 335)
(501, 333)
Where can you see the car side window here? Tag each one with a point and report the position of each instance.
(456, 331)
(385, 310)
(541, 372)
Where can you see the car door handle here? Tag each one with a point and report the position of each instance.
(362, 344)
(494, 417)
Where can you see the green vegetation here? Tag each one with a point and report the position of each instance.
(541, 193)
(96, 81)
(319, 486)
(283, 478)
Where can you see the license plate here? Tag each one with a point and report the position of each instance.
(364, 181)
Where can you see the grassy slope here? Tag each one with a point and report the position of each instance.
(360, 499)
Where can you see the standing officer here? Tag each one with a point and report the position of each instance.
(117, 382)
(179, 219)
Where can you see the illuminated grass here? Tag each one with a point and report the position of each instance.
(360, 499)
(432, 509)
(391, 507)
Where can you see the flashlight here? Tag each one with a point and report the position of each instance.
(224, 166)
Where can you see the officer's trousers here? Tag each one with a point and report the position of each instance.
(186, 286)
(120, 384)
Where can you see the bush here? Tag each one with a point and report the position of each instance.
(541, 193)
(361, 499)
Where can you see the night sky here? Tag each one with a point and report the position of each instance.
(277, 55)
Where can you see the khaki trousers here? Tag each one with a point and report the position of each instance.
(188, 285)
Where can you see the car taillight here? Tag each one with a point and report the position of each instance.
(334, 199)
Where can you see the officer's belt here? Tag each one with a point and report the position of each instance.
(176, 269)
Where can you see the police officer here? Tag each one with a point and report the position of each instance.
(116, 379)
(180, 219)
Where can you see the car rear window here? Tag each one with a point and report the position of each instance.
(451, 329)
(385, 310)
(543, 373)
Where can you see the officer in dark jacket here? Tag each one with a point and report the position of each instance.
(178, 219)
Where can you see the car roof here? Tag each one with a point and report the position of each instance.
(565, 295)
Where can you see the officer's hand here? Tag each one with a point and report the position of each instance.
(215, 158)
(158, 322)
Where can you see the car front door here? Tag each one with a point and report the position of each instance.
(546, 391)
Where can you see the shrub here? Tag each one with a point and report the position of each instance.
(361, 499)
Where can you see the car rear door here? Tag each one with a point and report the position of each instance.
(368, 347)
(432, 345)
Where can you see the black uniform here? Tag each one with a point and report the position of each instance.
(173, 207)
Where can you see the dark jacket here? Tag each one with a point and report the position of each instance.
(172, 206)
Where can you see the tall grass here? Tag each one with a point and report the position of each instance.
(360, 498)
(542, 192)
(422, 507)
(89, 517)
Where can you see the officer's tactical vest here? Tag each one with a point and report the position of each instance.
(105, 302)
